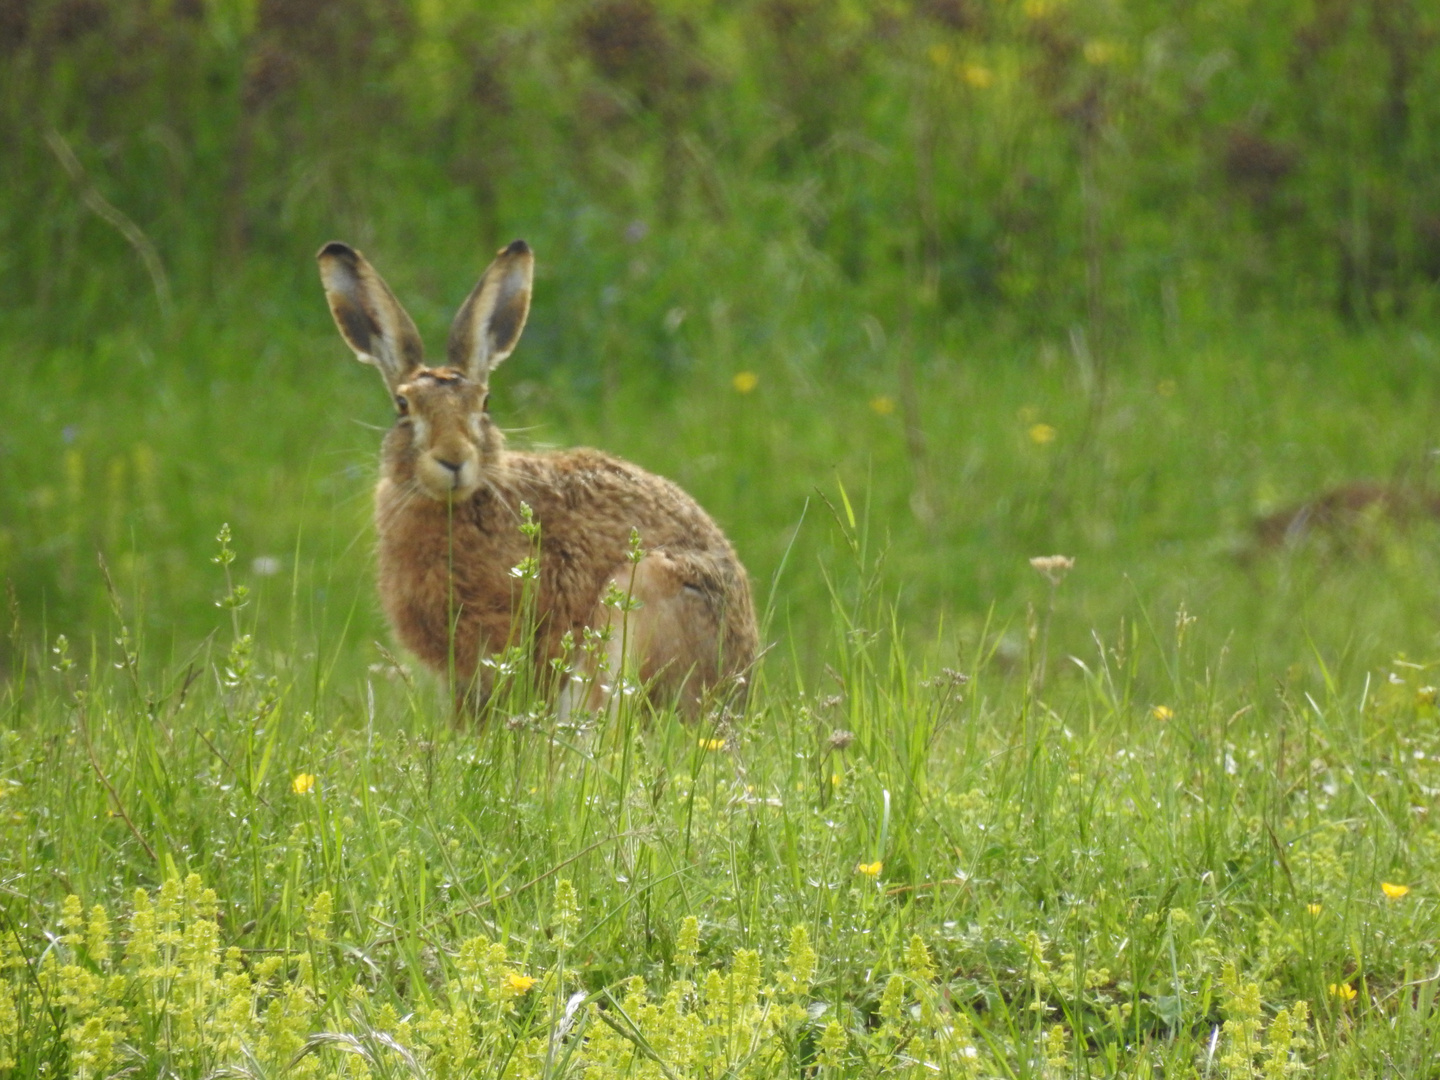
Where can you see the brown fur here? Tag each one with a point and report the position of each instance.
(1345, 515)
(448, 515)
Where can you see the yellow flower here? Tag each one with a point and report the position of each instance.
(869, 869)
(977, 75)
(712, 744)
(1163, 712)
(1315, 909)
(1100, 52)
(882, 405)
(517, 984)
(1166, 388)
(1343, 991)
(939, 55)
(745, 381)
(1394, 892)
(1040, 434)
(303, 784)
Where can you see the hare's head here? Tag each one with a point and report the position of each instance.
(443, 438)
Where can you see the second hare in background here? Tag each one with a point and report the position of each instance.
(448, 513)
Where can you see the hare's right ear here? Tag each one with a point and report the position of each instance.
(370, 319)
(487, 326)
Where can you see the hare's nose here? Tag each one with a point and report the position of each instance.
(453, 466)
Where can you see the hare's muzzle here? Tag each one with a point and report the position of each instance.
(449, 474)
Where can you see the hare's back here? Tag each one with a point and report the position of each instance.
(584, 493)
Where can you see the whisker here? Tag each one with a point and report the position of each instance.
(405, 497)
(500, 497)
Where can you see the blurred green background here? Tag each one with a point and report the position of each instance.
(1113, 280)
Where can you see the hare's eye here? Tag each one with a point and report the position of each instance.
(402, 405)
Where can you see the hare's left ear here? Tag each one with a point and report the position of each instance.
(488, 325)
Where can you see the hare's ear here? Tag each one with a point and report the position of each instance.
(370, 319)
(489, 322)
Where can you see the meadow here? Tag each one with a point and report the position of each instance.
(907, 297)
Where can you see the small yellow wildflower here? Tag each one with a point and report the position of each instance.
(1163, 713)
(832, 1046)
(1167, 388)
(939, 55)
(977, 75)
(1315, 909)
(518, 984)
(869, 869)
(1036, 9)
(303, 784)
(687, 942)
(745, 381)
(1394, 892)
(1343, 991)
(712, 744)
(1100, 52)
(882, 405)
(1040, 434)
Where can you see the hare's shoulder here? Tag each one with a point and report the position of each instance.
(582, 469)
(591, 482)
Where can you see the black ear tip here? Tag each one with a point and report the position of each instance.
(336, 250)
(518, 247)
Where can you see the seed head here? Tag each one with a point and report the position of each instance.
(1054, 567)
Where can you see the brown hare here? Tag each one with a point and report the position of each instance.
(449, 509)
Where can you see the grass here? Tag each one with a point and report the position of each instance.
(906, 296)
(142, 445)
(1104, 880)
(1130, 817)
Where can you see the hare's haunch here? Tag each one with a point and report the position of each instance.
(448, 513)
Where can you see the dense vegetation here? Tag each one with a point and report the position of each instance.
(1035, 161)
(906, 294)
